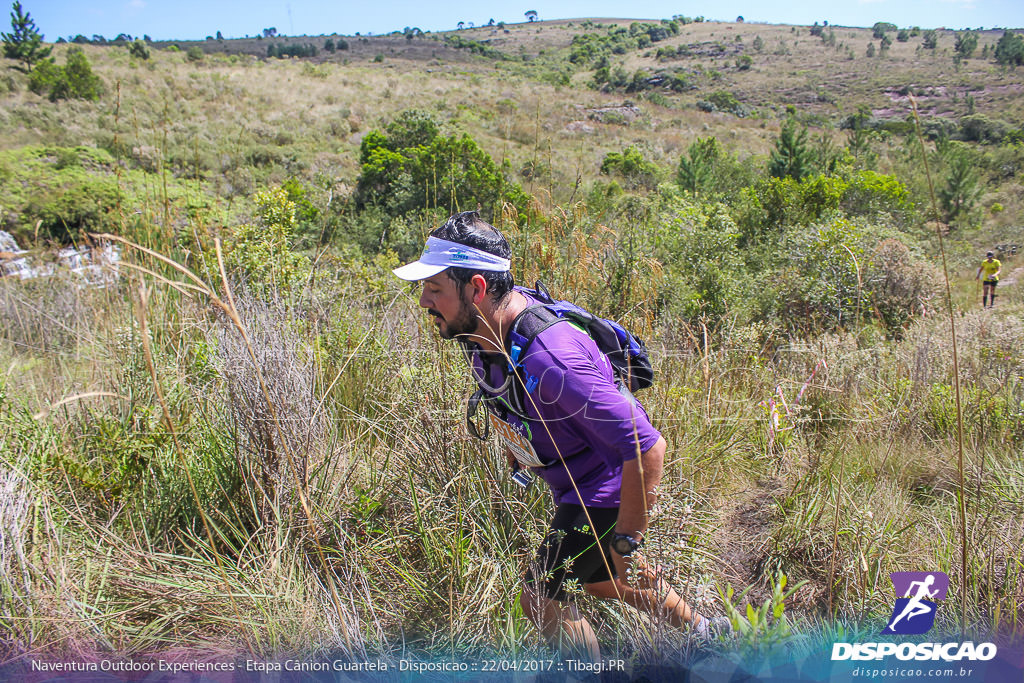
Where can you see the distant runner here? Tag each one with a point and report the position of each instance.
(991, 268)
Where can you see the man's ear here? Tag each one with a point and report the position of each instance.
(479, 285)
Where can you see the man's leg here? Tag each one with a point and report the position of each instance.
(648, 593)
(569, 553)
(561, 624)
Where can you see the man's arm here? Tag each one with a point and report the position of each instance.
(640, 479)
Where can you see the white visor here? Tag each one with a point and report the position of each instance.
(439, 254)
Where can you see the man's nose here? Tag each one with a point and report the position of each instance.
(424, 302)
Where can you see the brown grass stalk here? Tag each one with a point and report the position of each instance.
(961, 492)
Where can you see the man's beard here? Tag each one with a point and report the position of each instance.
(464, 324)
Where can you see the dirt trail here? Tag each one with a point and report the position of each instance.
(745, 531)
(1012, 278)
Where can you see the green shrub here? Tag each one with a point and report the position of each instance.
(631, 166)
(966, 43)
(138, 49)
(1010, 49)
(961, 189)
(881, 27)
(817, 287)
(699, 250)
(79, 202)
(696, 169)
(723, 100)
(74, 80)
(980, 128)
(194, 54)
(868, 193)
(413, 166)
(81, 82)
(262, 250)
(45, 76)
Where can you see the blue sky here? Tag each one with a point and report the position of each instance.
(195, 19)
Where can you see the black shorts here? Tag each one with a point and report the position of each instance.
(570, 550)
(991, 283)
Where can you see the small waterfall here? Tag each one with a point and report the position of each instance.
(12, 264)
(95, 267)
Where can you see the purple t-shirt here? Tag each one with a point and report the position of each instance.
(578, 422)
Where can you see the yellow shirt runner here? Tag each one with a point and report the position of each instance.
(991, 270)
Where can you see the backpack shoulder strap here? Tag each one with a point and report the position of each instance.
(526, 327)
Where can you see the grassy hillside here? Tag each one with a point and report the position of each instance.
(254, 442)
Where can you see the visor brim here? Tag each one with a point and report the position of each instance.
(417, 270)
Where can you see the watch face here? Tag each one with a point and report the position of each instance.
(622, 545)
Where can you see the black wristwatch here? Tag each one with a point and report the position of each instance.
(625, 545)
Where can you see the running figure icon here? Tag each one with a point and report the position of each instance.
(914, 613)
(915, 607)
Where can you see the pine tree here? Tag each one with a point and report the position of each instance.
(790, 157)
(961, 191)
(696, 171)
(24, 43)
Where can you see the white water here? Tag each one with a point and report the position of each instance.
(94, 267)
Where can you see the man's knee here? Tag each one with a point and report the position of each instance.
(535, 604)
(601, 589)
(529, 603)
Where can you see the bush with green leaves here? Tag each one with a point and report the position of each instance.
(881, 28)
(632, 167)
(698, 246)
(411, 166)
(930, 39)
(262, 251)
(138, 49)
(1010, 49)
(74, 80)
(966, 43)
(71, 203)
(874, 195)
(817, 286)
(723, 100)
(697, 167)
(980, 128)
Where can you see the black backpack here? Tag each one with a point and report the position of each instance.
(626, 353)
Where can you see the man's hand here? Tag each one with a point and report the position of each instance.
(624, 566)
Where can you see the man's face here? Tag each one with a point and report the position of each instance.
(446, 301)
